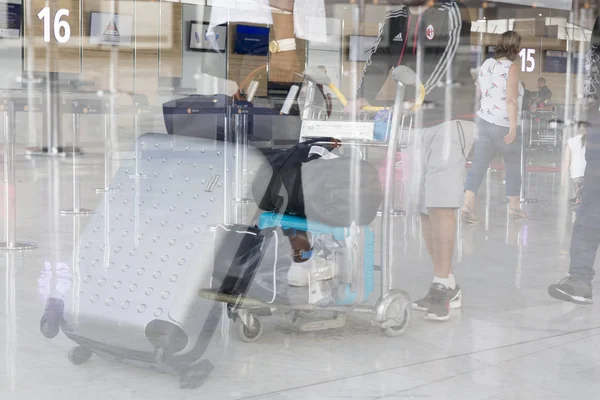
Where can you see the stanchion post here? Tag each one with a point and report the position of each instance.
(76, 210)
(524, 199)
(53, 146)
(227, 218)
(107, 151)
(488, 197)
(138, 173)
(240, 134)
(10, 196)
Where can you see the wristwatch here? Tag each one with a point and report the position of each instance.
(278, 46)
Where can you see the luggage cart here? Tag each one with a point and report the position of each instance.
(543, 129)
(392, 311)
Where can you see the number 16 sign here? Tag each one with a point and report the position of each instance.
(62, 29)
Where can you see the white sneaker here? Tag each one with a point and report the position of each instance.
(299, 273)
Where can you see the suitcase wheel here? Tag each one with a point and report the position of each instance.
(79, 354)
(195, 377)
(49, 326)
(53, 315)
(397, 315)
(249, 328)
(163, 355)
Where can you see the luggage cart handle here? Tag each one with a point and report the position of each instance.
(319, 77)
(403, 76)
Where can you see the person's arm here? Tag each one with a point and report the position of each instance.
(284, 5)
(458, 33)
(374, 75)
(512, 102)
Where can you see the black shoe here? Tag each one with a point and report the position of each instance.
(572, 290)
(423, 304)
(439, 303)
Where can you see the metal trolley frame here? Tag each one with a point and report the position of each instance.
(545, 129)
(392, 311)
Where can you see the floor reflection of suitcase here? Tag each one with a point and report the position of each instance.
(144, 255)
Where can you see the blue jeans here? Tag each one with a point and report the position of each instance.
(586, 231)
(490, 140)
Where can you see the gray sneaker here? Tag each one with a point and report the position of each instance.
(423, 304)
(572, 290)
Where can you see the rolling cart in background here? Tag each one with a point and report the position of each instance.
(543, 129)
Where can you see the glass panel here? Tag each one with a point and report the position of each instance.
(287, 199)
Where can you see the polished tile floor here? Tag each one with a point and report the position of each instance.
(510, 341)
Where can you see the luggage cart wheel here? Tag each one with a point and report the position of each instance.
(397, 315)
(79, 354)
(249, 328)
(49, 326)
(195, 377)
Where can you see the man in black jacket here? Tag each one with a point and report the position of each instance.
(432, 38)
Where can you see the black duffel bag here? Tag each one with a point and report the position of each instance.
(279, 182)
(340, 191)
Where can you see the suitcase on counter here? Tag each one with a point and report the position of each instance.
(203, 116)
(199, 116)
(144, 255)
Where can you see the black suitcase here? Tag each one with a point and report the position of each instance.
(199, 116)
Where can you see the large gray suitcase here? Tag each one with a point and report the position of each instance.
(147, 251)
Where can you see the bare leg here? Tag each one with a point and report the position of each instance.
(439, 231)
(428, 235)
(515, 203)
(515, 207)
(468, 208)
(469, 204)
(443, 233)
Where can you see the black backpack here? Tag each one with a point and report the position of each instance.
(278, 182)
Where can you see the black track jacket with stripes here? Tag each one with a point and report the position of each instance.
(436, 45)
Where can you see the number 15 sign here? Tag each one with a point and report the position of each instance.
(527, 60)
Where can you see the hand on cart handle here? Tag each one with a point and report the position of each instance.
(363, 105)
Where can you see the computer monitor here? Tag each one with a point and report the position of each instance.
(252, 40)
(10, 20)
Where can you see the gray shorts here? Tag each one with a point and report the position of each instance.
(438, 156)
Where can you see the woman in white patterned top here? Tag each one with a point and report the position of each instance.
(497, 123)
